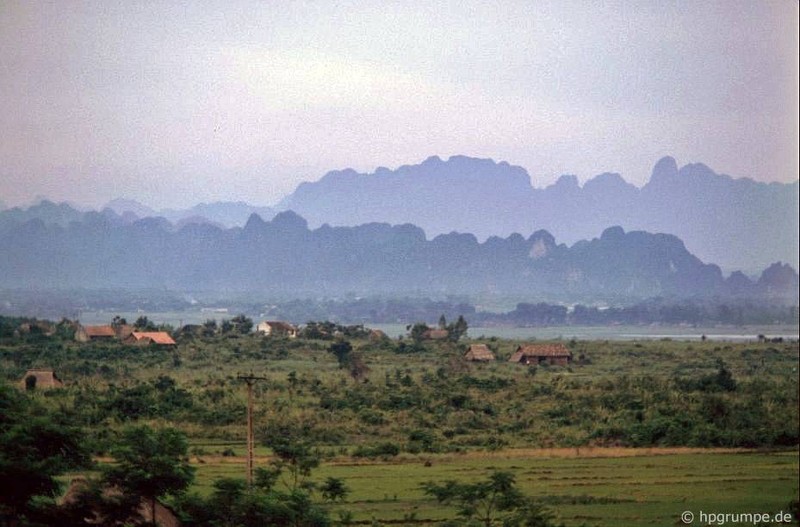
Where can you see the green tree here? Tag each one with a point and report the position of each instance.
(494, 501)
(295, 456)
(334, 489)
(417, 332)
(242, 324)
(341, 350)
(151, 464)
(34, 450)
(209, 328)
(144, 324)
(457, 329)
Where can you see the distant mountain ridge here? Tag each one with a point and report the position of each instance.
(224, 213)
(221, 214)
(738, 223)
(283, 257)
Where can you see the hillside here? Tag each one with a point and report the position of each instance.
(285, 257)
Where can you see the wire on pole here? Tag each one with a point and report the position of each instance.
(250, 380)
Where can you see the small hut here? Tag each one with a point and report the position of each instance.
(376, 335)
(40, 379)
(556, 354)
(276, 328)
(479, 353)
(435, 334)
(145, 338)
(90, 333)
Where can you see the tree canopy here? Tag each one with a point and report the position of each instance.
(34, 450)
(151, 464)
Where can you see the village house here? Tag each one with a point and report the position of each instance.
(556, 354)
(479, 353)
(435, 334)
(123, 331)
(376, 335)
(95, 333)
(146, 338)
(36, 379)
(275, 328)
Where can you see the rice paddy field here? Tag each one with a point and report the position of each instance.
(583, 486)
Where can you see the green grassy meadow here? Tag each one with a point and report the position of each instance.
(602, 487)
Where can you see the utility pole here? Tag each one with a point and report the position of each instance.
(250, 380)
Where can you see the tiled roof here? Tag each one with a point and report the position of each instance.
(158, 337)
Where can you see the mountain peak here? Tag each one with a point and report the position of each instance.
(289, 220)
(567, 181)
(254, 223)
(665, 169)
(614, 233)
(122, 205)
(432, 160)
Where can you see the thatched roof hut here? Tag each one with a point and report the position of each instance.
(479, 353)
(159, 338)
(277, 328)
(542, 353)
(88, 333)
(376, 335)
(436, 334)
(40, 379)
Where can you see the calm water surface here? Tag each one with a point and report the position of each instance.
(728, 333)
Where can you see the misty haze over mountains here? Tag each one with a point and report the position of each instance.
(735, 223)
(284, 258)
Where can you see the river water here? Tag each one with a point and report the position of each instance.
(652, 332)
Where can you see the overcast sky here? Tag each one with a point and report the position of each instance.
(174, 103)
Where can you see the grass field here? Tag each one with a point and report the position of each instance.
(592, 486)
(559, 430)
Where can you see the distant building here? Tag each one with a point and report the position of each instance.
(376, 335)
(123, 331)
(542, 354)
(146, 338)
(94, 333)
(435, 334)
(37, 379)
(479, 353)
(275, 328)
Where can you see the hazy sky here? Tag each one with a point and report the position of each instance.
(173, 103)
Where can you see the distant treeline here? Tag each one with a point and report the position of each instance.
(656, 311)
(378, 310)
(650, 312)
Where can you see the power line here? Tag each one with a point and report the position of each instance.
(250, 380)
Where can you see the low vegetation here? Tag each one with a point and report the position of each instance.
(363, 398)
